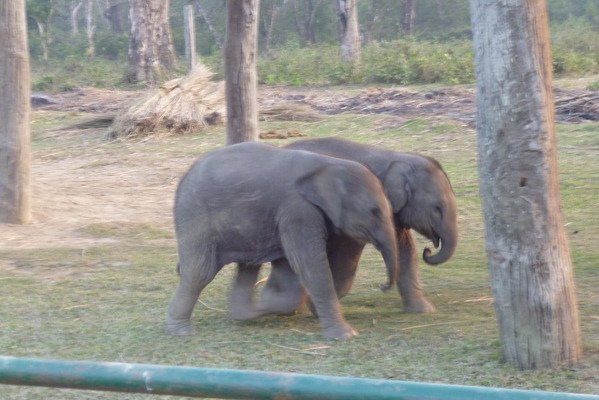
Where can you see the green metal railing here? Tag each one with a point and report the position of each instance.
(237, 384)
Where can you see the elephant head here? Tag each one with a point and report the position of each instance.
(424, 201)
(355, 203)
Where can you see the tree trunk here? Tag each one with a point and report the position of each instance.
(15, 194)
(190, 37)
(115, 14)
(240, 70)
(350, 34)
(44, 39)
(309, 20)
(151, 50)
(90, 29)
(528, 253)
(274, 12)
(409, 16)
(75, 17)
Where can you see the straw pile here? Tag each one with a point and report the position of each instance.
(181, 105)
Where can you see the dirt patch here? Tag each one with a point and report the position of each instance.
(71, 192)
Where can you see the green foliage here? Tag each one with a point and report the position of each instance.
(575, 48)
(399, 62)
(410, 62)
(593, 86)
(72, 72)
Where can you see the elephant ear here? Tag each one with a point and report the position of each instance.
(325, 189)
(396, 184)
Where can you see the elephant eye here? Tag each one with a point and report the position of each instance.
(376, 212)
(439, 211)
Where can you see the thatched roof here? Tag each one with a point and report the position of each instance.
(178, 106)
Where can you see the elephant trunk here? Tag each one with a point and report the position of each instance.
(387, 247)
(448, 241)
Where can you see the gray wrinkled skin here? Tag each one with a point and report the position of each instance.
(252, 203)
(421, 198)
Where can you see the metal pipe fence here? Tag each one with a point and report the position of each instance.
(242, 384)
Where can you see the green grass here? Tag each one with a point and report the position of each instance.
(107, 302)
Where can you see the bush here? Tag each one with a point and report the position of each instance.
(399, 62)
(72, 72)
(575, 48)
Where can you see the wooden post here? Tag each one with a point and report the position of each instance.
(15, 108)
(190, 37)
(240, 70)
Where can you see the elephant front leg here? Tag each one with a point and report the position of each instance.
(344, 255)
(409, 276)
(241, 296)
(306, 251)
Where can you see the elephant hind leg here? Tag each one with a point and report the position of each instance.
(283, 293)
(196, 271)
(241, 295)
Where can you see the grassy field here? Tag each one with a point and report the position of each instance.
(95, 287)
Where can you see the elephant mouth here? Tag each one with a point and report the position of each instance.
(436, 240)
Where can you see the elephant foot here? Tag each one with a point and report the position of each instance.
(180, 328)
(280, 303)
(418, 305)
(240, 313)
(341, 331)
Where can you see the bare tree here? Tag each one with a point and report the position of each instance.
(350, 33)
(529, 257)
(90, 29)
(75, 8)
(151, 50)
(41, 13)
(409, 16)
(306, 30)
(189, 34)
(274, 13)
(116, 13)
(15, 194)
(240, 70)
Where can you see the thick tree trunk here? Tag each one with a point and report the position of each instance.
(528, 253)
(15, 195)
(350, 33)
(151, 48)
(240, 70)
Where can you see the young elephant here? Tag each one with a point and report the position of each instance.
(252, 203)
(421, 198)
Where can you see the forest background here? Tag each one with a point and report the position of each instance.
(298, 41)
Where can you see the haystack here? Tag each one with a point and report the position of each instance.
(178, 106)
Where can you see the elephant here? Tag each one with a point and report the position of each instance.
(251, 203)
(422, 199)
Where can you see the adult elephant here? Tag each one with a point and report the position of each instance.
(421, 198)
(252, 203)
